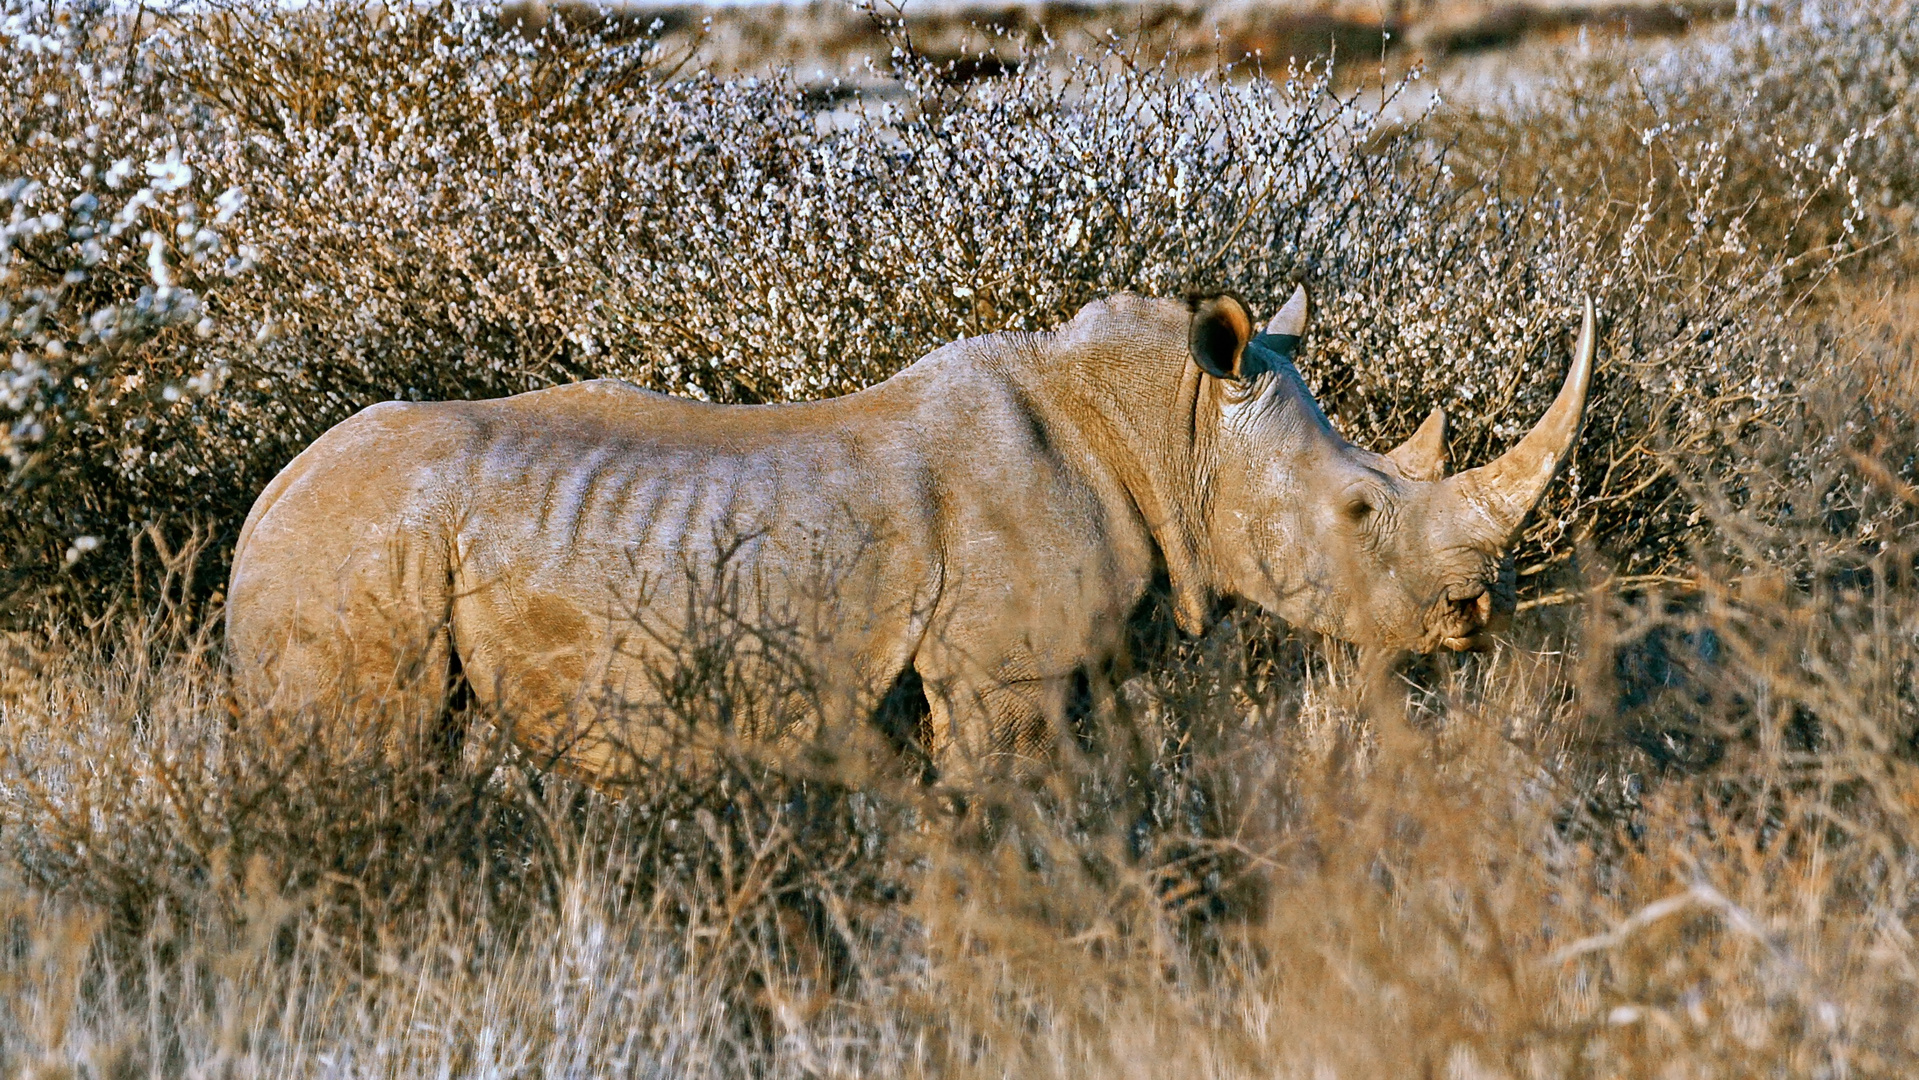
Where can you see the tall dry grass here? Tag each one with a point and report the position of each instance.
(1663, 831)
(1669, 836)
(1661, 835)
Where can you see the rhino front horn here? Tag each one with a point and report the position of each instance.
(1506, 490)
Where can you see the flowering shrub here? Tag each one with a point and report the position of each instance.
(111, 243)
(1802, 115)
(231, 230)
(1732, 177)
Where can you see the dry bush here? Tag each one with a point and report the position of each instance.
(1800, 116)
(154, 164)
(346, 210)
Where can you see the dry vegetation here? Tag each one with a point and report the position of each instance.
(1667, 830)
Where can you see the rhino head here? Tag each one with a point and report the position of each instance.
(1382, 550)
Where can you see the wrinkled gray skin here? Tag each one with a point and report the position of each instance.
(986, 519)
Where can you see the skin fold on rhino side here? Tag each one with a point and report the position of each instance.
(982, 524)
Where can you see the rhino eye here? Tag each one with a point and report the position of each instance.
(1359, 508)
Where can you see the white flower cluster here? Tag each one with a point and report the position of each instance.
(69, 224)
(110, 233)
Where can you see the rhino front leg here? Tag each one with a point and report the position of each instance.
(992, 722)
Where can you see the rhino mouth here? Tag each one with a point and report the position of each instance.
(1464, 618)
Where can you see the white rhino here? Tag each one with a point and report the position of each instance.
(982, 523)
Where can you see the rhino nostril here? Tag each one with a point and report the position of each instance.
(1472, 605)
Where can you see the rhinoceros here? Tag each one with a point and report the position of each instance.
(980, 525)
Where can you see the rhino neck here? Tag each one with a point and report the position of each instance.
(1144, 422)
(1276, 458)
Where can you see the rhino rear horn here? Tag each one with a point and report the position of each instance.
(1221, 329)
(1291, 320)
(1423, 455)
(1281, 337)
(1508, 488)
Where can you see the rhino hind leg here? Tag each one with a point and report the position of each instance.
(362, 657)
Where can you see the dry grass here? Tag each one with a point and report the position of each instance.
(1665, 831)
(1671, 838)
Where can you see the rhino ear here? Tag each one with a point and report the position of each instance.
(1423, 455)
(1221, 329)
